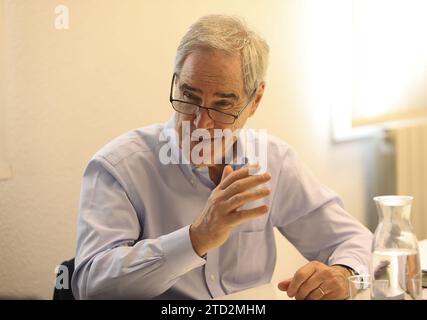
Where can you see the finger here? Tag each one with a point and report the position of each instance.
(300, 277)
(331, 291)
(312, 284)
(236, 175)
(317, 294)
(284, 285)
(238, 217)
(245, 184)
(333, 286)
(242, 198)
(226, 172)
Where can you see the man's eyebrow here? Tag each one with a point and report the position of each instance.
(227, 95)
(185, 86)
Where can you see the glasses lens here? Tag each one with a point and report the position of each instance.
(190, 109)
(221, 117)
(183, 107)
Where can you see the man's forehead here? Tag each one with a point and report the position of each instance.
(204, 68)
(221, 82)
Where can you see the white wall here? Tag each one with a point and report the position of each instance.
(69, 92)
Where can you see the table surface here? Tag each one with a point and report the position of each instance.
(264, 292)
(268, 291)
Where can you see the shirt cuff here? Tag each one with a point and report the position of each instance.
(358, 268)
(179, 253)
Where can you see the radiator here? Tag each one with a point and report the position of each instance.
(410, 144)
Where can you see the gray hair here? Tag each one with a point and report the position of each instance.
(232, 35)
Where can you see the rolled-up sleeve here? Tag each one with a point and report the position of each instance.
(313, 219)
(110, 261)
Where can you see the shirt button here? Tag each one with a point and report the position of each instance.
(212, 277)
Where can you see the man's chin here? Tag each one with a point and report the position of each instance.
(203, 165)
(206, 163)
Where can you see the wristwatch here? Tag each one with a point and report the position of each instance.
(352, 271)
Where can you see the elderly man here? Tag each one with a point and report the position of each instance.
(190, 229)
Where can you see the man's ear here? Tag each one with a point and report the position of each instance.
(258, 97)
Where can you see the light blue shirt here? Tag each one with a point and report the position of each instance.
(135, 212)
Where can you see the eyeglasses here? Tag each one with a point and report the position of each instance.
(190, 108)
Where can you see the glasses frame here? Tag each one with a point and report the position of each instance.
(235, 116)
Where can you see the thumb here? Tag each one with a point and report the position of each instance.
(284, 285)
(226, 172)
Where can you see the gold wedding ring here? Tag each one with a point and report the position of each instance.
(321, 291)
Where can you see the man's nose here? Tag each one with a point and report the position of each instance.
(202, 119)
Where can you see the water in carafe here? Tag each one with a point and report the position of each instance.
(395, 268)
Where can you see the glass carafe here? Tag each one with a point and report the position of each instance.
(395, 268)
